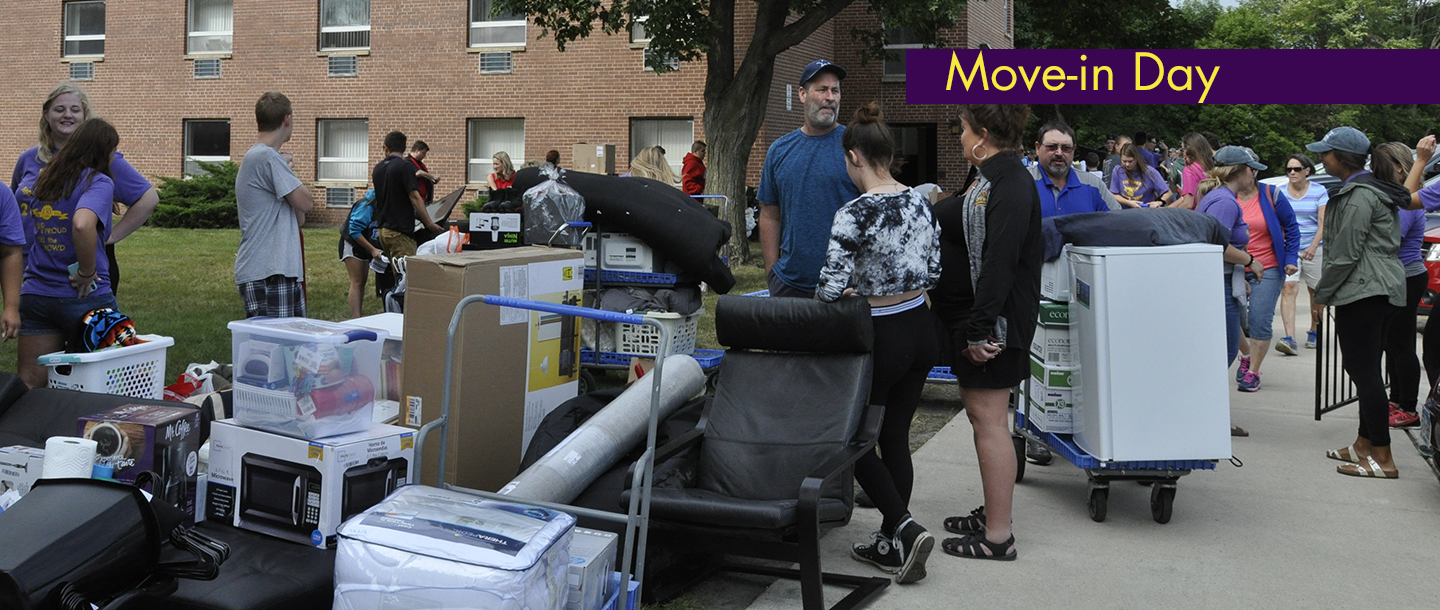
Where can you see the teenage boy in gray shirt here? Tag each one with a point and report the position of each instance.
(269, 267)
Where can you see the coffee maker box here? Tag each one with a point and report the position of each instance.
(302, 490)
(20, 467)
(137, 438)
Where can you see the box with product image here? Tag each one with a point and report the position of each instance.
(20, 467)
(489, 231)
(1051, 344)
(1051, 396)
(512, 366)
(137, 438)
(298, 489)
(592, 560)
(1055, 278)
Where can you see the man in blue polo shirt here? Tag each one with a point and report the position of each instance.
(802, 184)
(1062, 189)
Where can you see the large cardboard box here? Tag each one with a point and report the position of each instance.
(1051, 344)
(512, 366)
(1052, 402)
(592, 560)
(301, 490)
(595, 158)
(139, 438)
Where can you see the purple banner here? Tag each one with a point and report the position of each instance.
(1170, 76)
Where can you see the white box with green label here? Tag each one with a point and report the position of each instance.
(1051, 397)
(1052, 334)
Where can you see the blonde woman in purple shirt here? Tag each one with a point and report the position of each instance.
(60, 116)
(67, 274)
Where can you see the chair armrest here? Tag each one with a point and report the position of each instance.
(680, 443)
(864, 443)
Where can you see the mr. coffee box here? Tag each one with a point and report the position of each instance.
(138, 438)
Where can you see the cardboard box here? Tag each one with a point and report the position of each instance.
(592, 560)
(1053, 412)
(595, 158)
(1055, 278)
(1051, 344)
(512, 366)
(1054, 314)
(387, 393)
(1052, 376)
(301, 490)
(137, 438)
(20, 467)
(489, 231)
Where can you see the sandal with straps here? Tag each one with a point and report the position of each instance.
(1351, 455)
(975, 546)
(1373, 471)
(965, 526)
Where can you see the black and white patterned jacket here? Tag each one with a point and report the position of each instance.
(881, 245)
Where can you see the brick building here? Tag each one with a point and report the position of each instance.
(179, 79)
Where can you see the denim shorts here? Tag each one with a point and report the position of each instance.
(42, 315)
(1262, 303)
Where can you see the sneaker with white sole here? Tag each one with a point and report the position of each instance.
(1287, 346)
(1310, 339)
(1251, 382)
(1244, 368)
(915, 544)
(879, 552)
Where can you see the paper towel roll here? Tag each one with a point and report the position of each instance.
(67, 457)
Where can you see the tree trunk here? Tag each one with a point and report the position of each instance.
(732, 123)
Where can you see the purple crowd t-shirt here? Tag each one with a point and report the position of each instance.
(1412, 234)
(1150, 188)
(1430, 197)
(1221, 204)
(12, 227)
(47, 272)
(130, 186)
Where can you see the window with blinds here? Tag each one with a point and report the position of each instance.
(342, 150)
(673, 135)
(210, 26)
(489, 136)
(344, 24)
(488, 29)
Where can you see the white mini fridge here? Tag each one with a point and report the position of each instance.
(1149, 344)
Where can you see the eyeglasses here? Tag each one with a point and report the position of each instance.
(1294, 169)
(1066, 148)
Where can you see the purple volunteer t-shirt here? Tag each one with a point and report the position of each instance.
(1430, 196)
(130, 186)
(1412, 234)
(48, 271)
(1145, 190)
(1221, 204)
(12, 227)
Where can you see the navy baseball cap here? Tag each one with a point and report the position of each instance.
(1348, 139)
(816, 66)
(1238, 155)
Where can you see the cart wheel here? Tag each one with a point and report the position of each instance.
(587, 382)
(1098, 497)
(1162, 501)
(1019, 442)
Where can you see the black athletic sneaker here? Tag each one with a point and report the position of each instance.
(915, 544)
(1037, 454)
(879, 552)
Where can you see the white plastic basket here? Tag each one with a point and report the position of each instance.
(278, 411)
(645, 340)
(137, 371)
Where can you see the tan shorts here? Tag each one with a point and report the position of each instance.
(1309, 270)
(396, 244)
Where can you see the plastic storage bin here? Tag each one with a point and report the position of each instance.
(137, 371)
(645, 340)
(305, 378)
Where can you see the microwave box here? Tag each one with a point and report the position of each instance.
(489, 231)
(595, 158)
(305, 378)
(1051, 344)
(137, 438)
(592, 560)
(1055, 278)
(20, 467)
(512, 366)
(298, 489)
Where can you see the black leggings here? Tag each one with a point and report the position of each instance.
(905, 350)
(1400, 362)
(1360, 329)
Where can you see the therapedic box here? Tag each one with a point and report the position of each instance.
(489, 231)
(301, 490)
(137, 438)
(592, 560)
(1051, 343)
(20, 468)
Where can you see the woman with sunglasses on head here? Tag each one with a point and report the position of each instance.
(64, 110)
(1308, 200)
(72, 199)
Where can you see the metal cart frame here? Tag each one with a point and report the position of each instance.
(637, 518)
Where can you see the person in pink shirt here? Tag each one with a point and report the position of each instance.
(1199, 159)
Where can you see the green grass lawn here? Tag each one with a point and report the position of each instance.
(180, 283)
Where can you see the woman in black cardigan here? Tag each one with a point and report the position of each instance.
(988, 297)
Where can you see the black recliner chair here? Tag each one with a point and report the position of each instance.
(777, 445)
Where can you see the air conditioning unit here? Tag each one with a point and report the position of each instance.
(207, 68)
(82, 70)
(344, 65)
(497, 63)
(339, 197)
(672, 63)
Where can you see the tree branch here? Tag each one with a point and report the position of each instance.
(797, 31)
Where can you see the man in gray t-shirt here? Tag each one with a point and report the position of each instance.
(272, 202)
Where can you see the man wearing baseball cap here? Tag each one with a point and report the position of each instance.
(802, 184)
(1362, 278)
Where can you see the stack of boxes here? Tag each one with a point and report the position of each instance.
(1052, 365)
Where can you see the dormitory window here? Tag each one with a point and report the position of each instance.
(210, 26)
(896, 41)
(208, 141)
(342, 145)
(673, 135)
(638, 35)
(491, 30)
(344, 24)
(84, 28)
(489, 136)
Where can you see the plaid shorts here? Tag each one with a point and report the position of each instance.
(276, 296)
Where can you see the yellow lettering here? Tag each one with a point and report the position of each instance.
(1158, 76)
(1210, 81)
(1170, 78)
(1030, 77)
(1055, 73)
(967, 79)
(1013, 79)
(1109, 78)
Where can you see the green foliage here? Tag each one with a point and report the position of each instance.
(1342, 24)
(473, 206)
(206, 201)
(1105, 24)
(1243, 27)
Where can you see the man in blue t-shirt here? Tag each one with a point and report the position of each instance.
(802, 185)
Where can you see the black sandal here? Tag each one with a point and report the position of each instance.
(975, 546)
(966, 526)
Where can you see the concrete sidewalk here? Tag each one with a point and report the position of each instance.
(1284, 531)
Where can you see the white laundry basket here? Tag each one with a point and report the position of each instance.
(137, 371)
